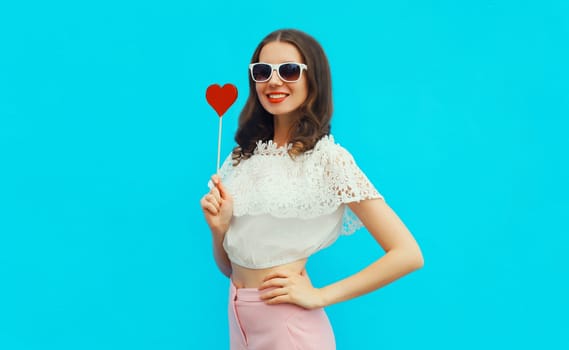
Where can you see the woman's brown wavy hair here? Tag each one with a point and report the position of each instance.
(255, 123)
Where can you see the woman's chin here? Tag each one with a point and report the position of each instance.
(279, 111)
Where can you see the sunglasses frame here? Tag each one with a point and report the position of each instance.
(276, 67)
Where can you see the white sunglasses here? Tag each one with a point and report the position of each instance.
(288, 72)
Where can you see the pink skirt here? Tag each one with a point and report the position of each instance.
(254, 325)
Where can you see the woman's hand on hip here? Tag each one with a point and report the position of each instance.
(217, 206)
(292, 288)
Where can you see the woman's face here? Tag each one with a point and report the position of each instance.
(280, 98)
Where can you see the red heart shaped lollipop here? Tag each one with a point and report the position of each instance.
(221, 98)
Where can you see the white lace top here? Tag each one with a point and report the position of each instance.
(287, 209)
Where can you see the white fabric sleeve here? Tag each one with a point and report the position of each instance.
(348, 183)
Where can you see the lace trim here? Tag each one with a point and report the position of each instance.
(316, 183)
(350, 223)
(270, 148)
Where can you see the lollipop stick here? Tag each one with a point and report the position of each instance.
(219, 143)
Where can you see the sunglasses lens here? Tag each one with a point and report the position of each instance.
(290, 71)
(261, 72)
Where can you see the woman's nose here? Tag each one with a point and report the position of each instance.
(275, 79)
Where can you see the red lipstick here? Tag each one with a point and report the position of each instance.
(281, 97)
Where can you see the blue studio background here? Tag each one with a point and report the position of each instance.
(456, 111)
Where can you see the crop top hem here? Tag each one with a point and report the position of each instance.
(276, 263)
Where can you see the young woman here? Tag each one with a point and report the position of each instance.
(287, 191)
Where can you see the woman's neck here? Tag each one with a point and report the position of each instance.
(283, 127)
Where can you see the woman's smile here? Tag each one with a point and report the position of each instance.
(277, 97)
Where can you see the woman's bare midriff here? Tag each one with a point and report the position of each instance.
(253, 278)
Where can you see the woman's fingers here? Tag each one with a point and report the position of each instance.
(281, 299)
(218, 187)
(207, 207)
(275, 293)
(222, 190)
(210, 203)
(213, 181)
(211, 198)
(215, 192)
(283, 274)
(273, 282)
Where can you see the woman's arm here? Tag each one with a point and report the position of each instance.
(403, 255)
(217, 207)
(220, 255)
